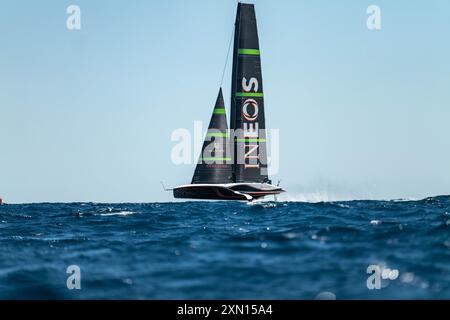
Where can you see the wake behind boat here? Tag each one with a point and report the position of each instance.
(233, 162)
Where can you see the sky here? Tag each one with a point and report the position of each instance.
(87, 115)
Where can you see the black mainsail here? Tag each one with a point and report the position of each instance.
(247, 101)
(214, 165)
(233, 163)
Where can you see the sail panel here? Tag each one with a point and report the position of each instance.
(214, 165)
(247, 101)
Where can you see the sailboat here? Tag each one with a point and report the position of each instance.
(233, 162)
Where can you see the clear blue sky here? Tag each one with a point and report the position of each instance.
(87, 115)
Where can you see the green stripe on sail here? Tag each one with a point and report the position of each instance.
(250, 94)
(217, 134)
(251, 140)
(219, 111)
(216, 159)
(253, 52)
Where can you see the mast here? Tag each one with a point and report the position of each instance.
(247, 101)
(214, 165)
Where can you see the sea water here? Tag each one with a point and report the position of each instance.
(226, 250)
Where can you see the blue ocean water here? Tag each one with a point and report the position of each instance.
(226, 250)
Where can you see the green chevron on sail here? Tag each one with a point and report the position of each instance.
(253, 52)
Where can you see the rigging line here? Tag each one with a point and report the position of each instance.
(226, 60)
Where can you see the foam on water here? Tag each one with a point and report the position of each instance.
(120, 213)
(314, 197)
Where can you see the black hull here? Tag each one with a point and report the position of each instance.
(215, 192)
